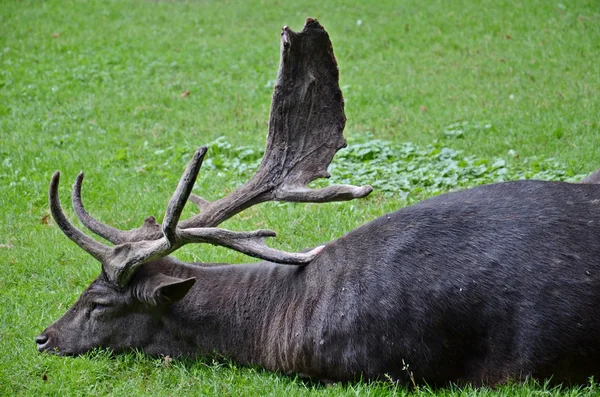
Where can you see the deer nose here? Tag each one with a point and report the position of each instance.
(41, 341)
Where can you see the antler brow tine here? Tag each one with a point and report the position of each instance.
(91, 246)
(105, 231)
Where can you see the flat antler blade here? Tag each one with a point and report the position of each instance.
(305, 131)
(307, 113)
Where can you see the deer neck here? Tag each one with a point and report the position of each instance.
(252, 314)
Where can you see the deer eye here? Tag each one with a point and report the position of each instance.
(99, 311)
(98, 308)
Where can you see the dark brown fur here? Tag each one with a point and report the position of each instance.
(479, 286)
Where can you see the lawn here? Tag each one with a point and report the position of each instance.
(439, 96)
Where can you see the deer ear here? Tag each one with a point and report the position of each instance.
(173, 289)
(163, 289)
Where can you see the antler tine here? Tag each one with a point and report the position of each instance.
(302, 194)
(130, 256)
(91, 246)
(198, 201)
(150, 230)
(249, 243)
(105, 231)
(181, 195)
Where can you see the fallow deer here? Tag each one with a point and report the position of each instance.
(479, 286)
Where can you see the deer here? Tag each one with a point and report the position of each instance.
(480, 286)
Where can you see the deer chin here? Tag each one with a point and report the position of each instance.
(47, 348)
(57, 352)
(49, 342)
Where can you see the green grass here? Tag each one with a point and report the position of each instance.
(96, 86)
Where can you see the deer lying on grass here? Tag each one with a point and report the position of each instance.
(479, 286)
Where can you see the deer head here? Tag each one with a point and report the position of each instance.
(305, 131)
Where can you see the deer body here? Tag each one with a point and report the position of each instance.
(469, 287)
(494, 283)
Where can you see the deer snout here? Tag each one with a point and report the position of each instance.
(44, 342)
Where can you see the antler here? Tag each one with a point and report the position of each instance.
(121, 261)
(305, 131)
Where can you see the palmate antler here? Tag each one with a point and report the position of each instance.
(305, 132)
